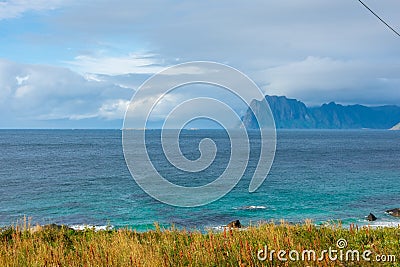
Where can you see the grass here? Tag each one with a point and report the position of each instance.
(20, 246)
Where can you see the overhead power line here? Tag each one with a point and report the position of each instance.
(376, 15)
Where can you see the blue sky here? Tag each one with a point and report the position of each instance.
(76, 64)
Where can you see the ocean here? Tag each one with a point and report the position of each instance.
(79, 177)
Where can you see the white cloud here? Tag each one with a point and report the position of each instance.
(314, 50)
(22, 91)
(54, 93)
(132, 63)
(113, 109)
(21, 80)
(15, 8)
(248, 34)
(316, 79)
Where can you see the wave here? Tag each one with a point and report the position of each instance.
(221, 228)
(377, 224)
(80, 227)
(251, 208)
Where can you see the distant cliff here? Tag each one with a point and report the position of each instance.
(292, 113)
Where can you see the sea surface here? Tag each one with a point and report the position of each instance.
(79, 177)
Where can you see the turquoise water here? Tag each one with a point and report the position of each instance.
(79, 177)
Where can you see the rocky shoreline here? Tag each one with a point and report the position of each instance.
(393, 212)
(231, 225)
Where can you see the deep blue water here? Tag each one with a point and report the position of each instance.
(80, 177)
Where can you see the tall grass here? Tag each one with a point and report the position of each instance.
(20, 246)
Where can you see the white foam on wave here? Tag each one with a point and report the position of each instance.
(218, 228)
(221, 228)
(81, 227)
(251, 208)
(376, 224)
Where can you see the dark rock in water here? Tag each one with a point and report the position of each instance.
(394, 212)
(371, 217)
(234, 224)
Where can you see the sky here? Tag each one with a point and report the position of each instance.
(77, 64)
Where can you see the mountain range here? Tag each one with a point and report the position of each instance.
(292, 114)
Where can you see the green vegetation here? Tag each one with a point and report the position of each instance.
(53, 246)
